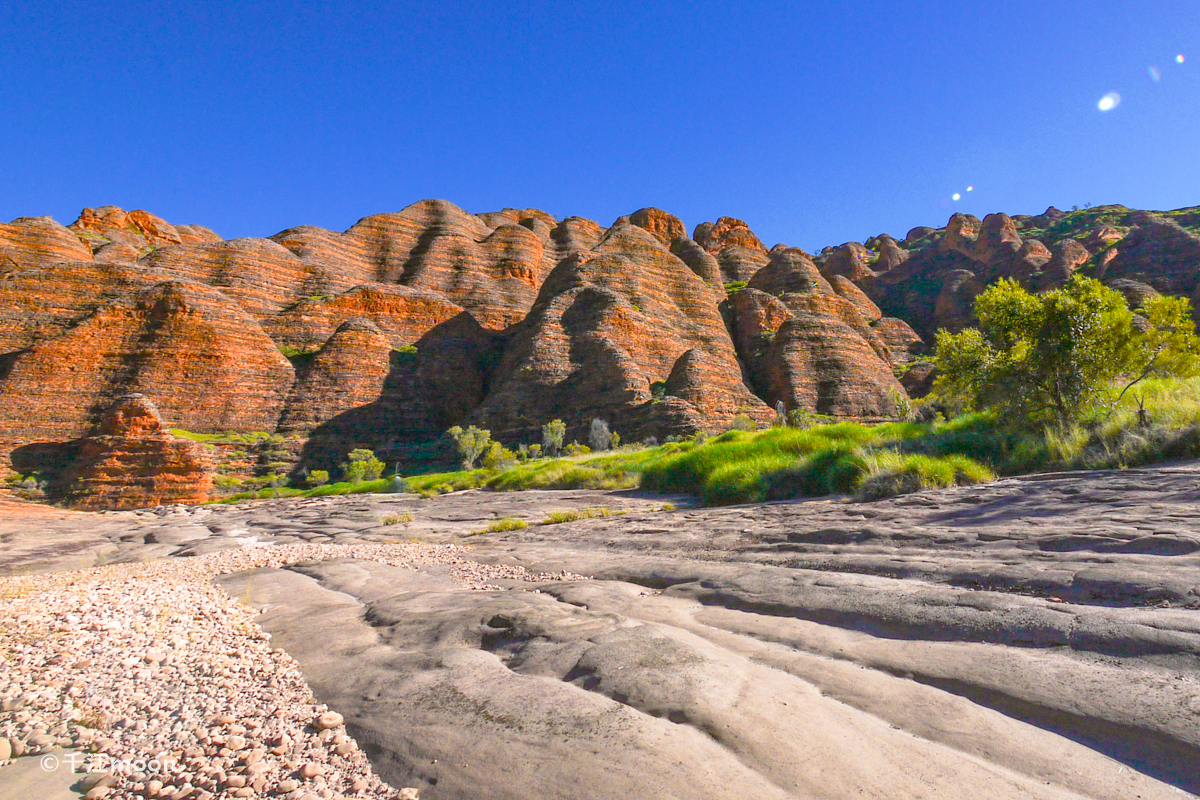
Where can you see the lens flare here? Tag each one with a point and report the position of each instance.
(1109, 101)
(1155, 75)
(1179, 58)
(956, 197)
(970, 188)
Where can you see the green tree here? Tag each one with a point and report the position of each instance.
(318, 477)
(553, 433)
(277, 480)
(1064, 356)
(499, 457)
(362, 465)
(472, 443)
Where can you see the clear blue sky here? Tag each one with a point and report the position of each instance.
(816, 122)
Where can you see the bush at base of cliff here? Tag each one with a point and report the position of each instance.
(471, 443)
(1062, 357)
(362, 465)
(553, 433)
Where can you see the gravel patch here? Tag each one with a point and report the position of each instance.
(172, 687)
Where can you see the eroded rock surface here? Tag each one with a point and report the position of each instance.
(1034, 637)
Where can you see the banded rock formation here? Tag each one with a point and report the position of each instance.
(930, 280)
(410, 322)
(808, 346)
(607, 325)
(132, 461)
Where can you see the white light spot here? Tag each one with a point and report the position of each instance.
(1109, 101)
(1179, 58)
(956, 197)
(970, 188)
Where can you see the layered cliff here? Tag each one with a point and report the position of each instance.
(407, 323)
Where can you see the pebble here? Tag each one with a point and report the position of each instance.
(152, 660)
(330, 719)
(97, 778)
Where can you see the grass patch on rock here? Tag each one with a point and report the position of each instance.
(570, 515)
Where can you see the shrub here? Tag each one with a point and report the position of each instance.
(616, 440)
(471, 443)
(362, 465)
(599, 436)
(902, 405)
(576, 449)
(392, 519)
(499, 457)
(318, 477)
(801, 418)
(742, 422)
(889, 473)
(553, 433)
(277, 480)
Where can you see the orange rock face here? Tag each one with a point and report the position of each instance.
(401, 314)
(200, 358)
(31, 242)
(607, 324)
(665, 227)
(410, 322)
(727, 232)
(139, 229)
(933, 284)
(347, 372)
(131, 460)
(818, 360)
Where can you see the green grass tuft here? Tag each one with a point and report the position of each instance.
(559, 517)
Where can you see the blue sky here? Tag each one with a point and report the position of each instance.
(817, 123)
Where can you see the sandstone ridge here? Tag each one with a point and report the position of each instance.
(387, 333)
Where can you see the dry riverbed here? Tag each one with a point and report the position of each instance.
(1033, 638)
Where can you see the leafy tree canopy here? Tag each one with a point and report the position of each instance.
(472, 443)
(1064, 356)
